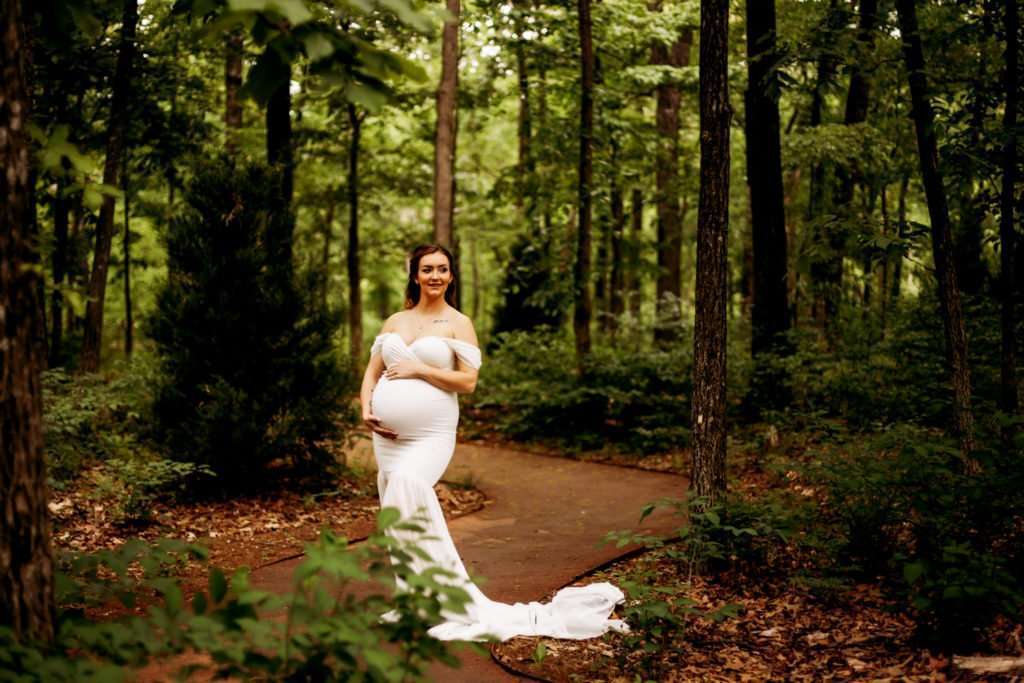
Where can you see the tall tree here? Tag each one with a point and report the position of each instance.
(709, 336)
(116, 128)
(770, 314)
(1007, 234)
(26, 564)
(582, 310)
(129, 322)
(355, 292)
(636, 225)
(280, 149)
(445, 136)
(938, 213)
(669, 284)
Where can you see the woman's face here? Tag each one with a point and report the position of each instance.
(434, 274)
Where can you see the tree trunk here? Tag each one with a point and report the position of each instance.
(26, 563)
(355, 296)
(93, 339)
(325, 258)
(445, 135)
(826, 270)
(617, 282)
(279, 135)
(668, 286)
(634, 282)
(1007, 237)
(61, 209)
(709, 339)
(526, 165)
(581, 272)
(129, 324)
(770, 314)
(901, 231)
(233, 51)
(938, 212)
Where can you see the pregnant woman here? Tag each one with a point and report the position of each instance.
(422, 358)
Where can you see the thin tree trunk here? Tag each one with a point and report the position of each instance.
(129, 324)
(355, 296)
(26, 563)
(770, 314)
(526, 165)
(279, 135)
(61, 209)
(1007, 237)
(617, 281)
(444, 141)
(233, 50)
(581, 272)
(669, 284)
(938, 212)
(634, 283)
(93, 340)
(325, 259)
(709, 339)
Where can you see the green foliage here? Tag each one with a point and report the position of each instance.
(130, 486)
(251, 373)
(636, 399)
(327, 632)
(92, 418)
(905, 505)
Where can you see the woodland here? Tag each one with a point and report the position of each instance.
(771, 246)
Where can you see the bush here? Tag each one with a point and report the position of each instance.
(327, 633)
(251, 374)
(903, 505)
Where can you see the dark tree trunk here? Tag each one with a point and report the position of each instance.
(129, 323)
(633, 280)
(938, 212)
(770, 314)
(581, 272)
(526, 166)
(93, 339)
(61, 209)
(709, 338)
(601, 269)
(827, 270)
(858, 95)
(669, 284)
(355, 296)
(233, 50)
(1007, 237)
(617, 281)
(26, 563)
(901, 231)
(279, 135)
(447, 127)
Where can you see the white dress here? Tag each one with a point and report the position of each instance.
(425, 418)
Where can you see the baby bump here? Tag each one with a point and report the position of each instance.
(414, 407)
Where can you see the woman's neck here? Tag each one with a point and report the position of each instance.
(426, 306)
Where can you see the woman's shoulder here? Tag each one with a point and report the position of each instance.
(392, 320)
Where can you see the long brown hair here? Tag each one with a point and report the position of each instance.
(412, 287)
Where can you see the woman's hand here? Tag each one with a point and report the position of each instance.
(374, 423)
(405, 369)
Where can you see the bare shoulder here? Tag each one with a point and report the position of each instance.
(463, 327)
(391, 324)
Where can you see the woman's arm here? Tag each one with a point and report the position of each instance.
(461, 380)
(374, 369)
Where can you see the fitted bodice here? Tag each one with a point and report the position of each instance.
(439, 352)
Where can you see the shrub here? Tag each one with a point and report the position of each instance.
(251, 374)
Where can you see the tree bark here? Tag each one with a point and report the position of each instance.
(669, 284)
(93, 338)
(279, 135)
(233, 50)
(617, 283)
(582, 310)
(129, 323)
(1007, 236)
(770, 314)
(355, 295)
(634, 282)
(61, 209)
(709, 339)
(938, 212)
(26, 564)
(445, 134)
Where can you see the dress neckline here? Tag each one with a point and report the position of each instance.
(409, 345)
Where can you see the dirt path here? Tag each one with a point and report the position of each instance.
(540, 532)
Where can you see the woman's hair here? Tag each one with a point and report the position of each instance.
(412, 287)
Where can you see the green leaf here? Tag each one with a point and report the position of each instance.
(295, 11)
(912, 571)
(218, 585)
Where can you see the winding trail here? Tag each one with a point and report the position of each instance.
(539, 532)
